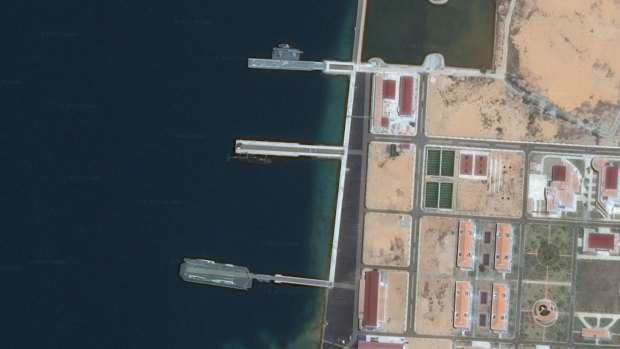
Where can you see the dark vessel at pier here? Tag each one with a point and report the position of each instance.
(253, 160)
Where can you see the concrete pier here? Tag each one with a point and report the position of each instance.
(203, 271)
(265, 148)
(283, 279)
(281, 64)
(338, 68)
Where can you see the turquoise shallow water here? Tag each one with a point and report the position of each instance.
(117, 132)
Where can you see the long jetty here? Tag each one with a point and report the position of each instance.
(266, 148)
(208, 272)
(283, 64)
(327, 67)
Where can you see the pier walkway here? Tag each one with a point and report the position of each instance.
(328, 67)
(265, 148)
(208, 272)
(283, 279)
(282, 64)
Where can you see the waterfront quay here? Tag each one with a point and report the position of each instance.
(340, 323)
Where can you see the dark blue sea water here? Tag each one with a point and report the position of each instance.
(116, 118)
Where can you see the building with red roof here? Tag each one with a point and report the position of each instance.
(594, 241)
(466, 245)
(565, 183)
(596, 333)
(462, 305)
(405, 97)
(608, 199)
(389, 89)
(371, 298)
(500, 307)
(503, 248)
(611, 178)
(558, 173)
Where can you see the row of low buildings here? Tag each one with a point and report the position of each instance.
(465, 260)
(467, 245)
(500, 306)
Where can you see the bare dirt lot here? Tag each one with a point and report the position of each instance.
(487, 108)
(387, 239)
(390, 180)
(568, 51)
(501, 194)
(397, 302)
(597, 286)
(434, 307)
(437, 245)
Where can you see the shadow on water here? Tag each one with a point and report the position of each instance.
(404, 32)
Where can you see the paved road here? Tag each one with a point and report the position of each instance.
(341, 307)
(358, 42)
(502, 67)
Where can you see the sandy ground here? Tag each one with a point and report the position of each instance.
(438, 239)
(387, 239)
(434, 306)
(426, 343)
(397, 301)
(501, 194)
(568, 51)
(390, 180)
(487, 108)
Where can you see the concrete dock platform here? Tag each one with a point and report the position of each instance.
(283, 279)
(203, 271)
(265, 148)
(280, 64)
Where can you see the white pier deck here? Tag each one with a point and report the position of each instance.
(265, 148)
(283, 279)
(281, 64)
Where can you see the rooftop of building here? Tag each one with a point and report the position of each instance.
(503, 247)
(465, 252)
(371, 298)
(500, 307)
(595, 333)
(462, 303)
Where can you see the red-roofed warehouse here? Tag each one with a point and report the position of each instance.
(371, 298)
(405, 99)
